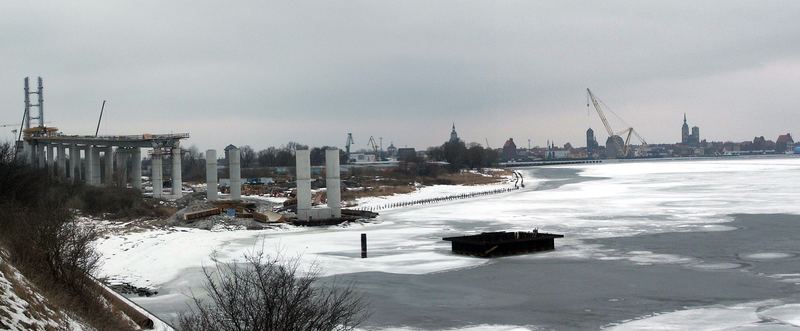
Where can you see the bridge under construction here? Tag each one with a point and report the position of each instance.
(78, 158)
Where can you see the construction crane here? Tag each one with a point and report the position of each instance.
(347, 145)
(628, 132)
(614, 137)
(602, 115)
(374, 146)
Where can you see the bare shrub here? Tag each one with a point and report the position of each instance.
(268, 293)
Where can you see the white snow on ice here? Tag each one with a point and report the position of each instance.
(633, 198)
(761, 315)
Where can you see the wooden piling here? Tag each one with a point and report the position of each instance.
(363, 245)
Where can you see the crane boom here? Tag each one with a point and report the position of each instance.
(374, 146)
(600, 112)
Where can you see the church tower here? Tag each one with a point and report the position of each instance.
(685, 131)
(453, 134)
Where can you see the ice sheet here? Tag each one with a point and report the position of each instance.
(634, 198)
(761, 315)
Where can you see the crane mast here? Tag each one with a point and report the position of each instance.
(599, 112)
(347, 145)
(374, 146)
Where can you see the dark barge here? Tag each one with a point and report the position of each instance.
(493, 244)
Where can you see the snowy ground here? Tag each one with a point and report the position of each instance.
(629, 199)
(151, 258)
(22, 308)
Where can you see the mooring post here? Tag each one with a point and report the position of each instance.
(363, 245)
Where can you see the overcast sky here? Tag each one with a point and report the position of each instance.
(263, 73)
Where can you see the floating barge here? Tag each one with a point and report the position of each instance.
(493, 244)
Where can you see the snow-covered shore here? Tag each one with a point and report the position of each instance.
(148, 259)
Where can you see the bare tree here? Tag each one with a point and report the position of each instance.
(268, 293)
(247, 155)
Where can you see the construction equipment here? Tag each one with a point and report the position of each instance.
(347, 145)
(103, 107)
(590, 96)
(628, 132)
(614, 138)
(374, 145)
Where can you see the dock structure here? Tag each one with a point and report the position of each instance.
(493, 244)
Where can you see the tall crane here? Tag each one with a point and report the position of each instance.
(615, 138)
(347, 145)
(602, 115)
(374, 146)
(628, 132)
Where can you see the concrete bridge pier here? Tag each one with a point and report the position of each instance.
(108, 179)
(136, 168)
(40, 156)
(211, 175)
(50, 159)
(156, 176)
(303, 168)
(74, 164)
(90, 170)
(122, 167)
(332, 182)
(235, 173)
(61, 163)
(96, 176)
(177, 179)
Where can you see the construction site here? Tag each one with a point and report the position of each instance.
(298, 198)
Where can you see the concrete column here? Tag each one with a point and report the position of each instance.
(51, 158)
(108, 180)
(122, 167)
(61, 162)
(156, 176)
(136, 168)
(332, 184)
(96, 166)
(235, 173)
(28, 152)
(211, 175)
(303, 168)
(40, 155)
(90, 170)
(177, 179)
(74, 164)
(84, 176)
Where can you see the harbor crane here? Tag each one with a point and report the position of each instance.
(374, 146)
(615, 138)
(348, 144)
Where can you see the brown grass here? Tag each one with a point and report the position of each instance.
(390, 186)
(377, 191)
(469, 178)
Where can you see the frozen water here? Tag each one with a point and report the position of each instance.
(766, 256)
(609, 200)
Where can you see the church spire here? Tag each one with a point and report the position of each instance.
(453, 134)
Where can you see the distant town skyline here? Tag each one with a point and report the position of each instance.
(265, 73)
